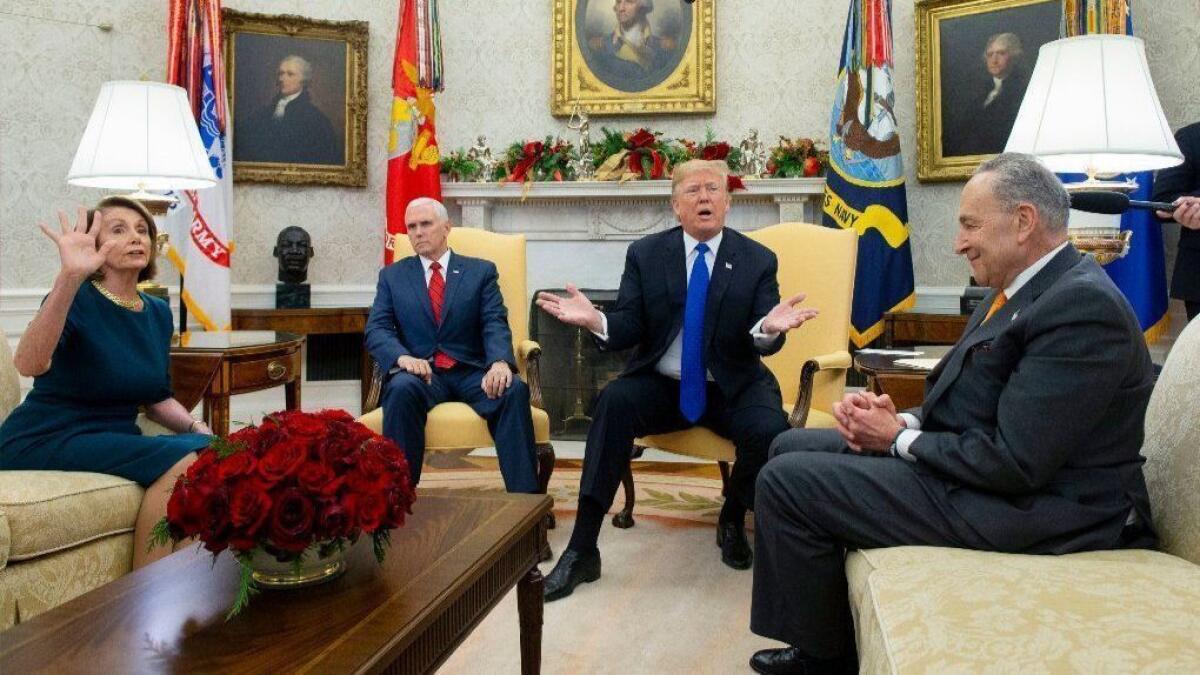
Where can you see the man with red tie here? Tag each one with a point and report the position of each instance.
(440, 329)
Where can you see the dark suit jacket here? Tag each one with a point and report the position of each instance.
(983, 129)
(303, 135)
(1171, 184)
(649, 311)
(1032, 425)
(474, 328)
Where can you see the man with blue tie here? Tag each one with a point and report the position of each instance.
(440, 329)
(701, 305)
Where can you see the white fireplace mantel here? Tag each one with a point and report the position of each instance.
(607, 210)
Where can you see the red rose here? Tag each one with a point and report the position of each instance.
(399, 501)
(185, 512)
(238, 464)
(315, 477)
(372, 510)
(335, 415)
(715, 151)
(282, 460)
(292, 521)
(335, 522)
(641, 139)
(303, 425)
(248, 507)
(216, 529)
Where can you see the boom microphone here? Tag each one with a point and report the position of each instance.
(1111, 203)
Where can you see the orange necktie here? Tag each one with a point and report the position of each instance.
(996, 305)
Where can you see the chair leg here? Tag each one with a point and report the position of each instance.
(624, 518)
(545, 459)
(724, 466)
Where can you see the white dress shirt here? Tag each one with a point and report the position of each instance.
(912, 425)
(427, 264)
(997, 83)
(670, 364)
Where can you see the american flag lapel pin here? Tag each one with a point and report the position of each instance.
(1014, 316)
(728, 265)
(455, 271)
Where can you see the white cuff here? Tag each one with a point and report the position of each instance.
(762, 340)
(904, 441)
(603, 334)
(910, 421)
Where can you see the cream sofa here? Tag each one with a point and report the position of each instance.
(924, 610)
(62, 533)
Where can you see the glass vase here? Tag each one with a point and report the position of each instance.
(312, 569)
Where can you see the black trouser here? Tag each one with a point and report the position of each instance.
(407, 401)
(1192, 307)
(639, 405)
(815, 501)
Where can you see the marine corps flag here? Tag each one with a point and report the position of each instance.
(200, 223)
(1141, 274)
(864, 190)
(413, 162)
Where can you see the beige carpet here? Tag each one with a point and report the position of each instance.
(665, 602)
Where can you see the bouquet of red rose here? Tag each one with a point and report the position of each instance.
(299, 484)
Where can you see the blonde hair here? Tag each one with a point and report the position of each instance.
(693, 166)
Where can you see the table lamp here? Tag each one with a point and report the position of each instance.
(142, 136)
(1091, 108)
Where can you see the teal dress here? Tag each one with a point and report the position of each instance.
(80, 415)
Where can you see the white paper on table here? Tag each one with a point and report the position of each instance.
(923, 364)
(889, 352)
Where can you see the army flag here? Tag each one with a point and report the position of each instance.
(200, 223)
(864, 190)
(413, 162)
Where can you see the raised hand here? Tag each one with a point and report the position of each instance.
(77, 246)
(575, 309)
(786, 316)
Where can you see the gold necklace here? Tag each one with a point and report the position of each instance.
(132, 305)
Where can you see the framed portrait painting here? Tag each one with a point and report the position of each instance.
(628, 57)
(298, 99)
(974, 58)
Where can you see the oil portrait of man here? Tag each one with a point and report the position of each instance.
(633, 45)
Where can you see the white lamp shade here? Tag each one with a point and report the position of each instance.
(141, 135)
(1091, 105)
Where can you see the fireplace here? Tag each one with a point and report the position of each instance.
(574, 370)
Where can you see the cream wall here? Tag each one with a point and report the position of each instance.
(775, 69)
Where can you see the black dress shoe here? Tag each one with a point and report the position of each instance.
(735, 550)
(792, 661)
(572, 569)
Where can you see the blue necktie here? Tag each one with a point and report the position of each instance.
(692, 383)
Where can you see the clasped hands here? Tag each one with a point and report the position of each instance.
(868, 422)
(576, 310)
(498, 378)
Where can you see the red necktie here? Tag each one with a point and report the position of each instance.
(437, 296)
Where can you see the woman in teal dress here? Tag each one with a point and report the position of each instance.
(98, 350)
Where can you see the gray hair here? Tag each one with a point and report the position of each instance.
(1022, 179)
(1011, 42)
(439, 209)
(305, 66)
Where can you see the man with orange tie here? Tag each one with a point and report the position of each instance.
(1027, 441)
(440, 329)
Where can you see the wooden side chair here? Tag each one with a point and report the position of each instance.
(811, 367)
(453, 427)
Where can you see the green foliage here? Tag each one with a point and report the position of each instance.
(160, 534)
(380, 540)
(246, 587)
(459, 167)
(789, 157)
(224, 448)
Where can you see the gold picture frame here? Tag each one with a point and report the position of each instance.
(319, 135)
(671, 72)
(963, 115)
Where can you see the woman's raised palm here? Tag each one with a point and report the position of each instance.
(77, 246)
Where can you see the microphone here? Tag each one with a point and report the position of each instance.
(1111, 203)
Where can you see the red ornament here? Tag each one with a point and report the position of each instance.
(812, 167)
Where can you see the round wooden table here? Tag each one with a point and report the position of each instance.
(904, 384)
(214, 366)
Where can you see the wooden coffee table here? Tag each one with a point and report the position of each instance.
(457, 556)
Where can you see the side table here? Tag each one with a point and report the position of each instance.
(215, 366)
(312, 321)
(904, 384)
(923, 328)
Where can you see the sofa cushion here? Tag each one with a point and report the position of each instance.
(49, 511)
(923, 609)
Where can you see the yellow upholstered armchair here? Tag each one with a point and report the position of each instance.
(454, 427)
(811, 367)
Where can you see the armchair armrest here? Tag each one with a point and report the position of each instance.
(371, 401)
(529, 358)
(839, 360)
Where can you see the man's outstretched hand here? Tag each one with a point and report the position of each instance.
(786, 316)
(575, 309)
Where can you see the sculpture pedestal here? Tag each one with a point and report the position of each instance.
(293, 296)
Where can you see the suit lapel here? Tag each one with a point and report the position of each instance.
(676, 270)
(414, 272)
(721, 274)
(979, 330)
(454, 275)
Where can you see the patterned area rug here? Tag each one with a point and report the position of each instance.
(664, 603)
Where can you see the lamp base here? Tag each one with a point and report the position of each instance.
(1104, 247)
